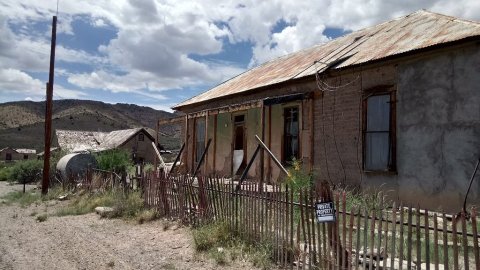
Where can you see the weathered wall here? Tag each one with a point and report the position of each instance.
(437, 122)
(143, 148)
(223, 160)
(16, 155)
(439, 128)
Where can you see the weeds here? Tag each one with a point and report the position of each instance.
(221, 244)
(147, 215)
(42, 217)
(125, 205)
(24, 199)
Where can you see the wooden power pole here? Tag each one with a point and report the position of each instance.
(48, 111)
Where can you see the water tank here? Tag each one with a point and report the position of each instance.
(75, 165)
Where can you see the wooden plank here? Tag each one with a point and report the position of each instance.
(357, 242)
(365, 238)
(402, 215)
(427, 240)
(344, 231)
(455, 246)
(350, 238)
(464, 242)
(385, 247)
(445, 241)
(372, 240)
(336, 234)
(435, 241)
(307, 216)
(418, 233)
(409, 238)
(314, 250)
(289, 196)
(475, 239)
(379, 231)
(394, 235)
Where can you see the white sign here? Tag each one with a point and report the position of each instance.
(325, 212)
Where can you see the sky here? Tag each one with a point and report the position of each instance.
(159, 53)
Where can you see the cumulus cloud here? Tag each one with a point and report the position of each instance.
(19, 83)
(160, 45)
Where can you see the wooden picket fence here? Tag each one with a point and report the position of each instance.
(381, 237)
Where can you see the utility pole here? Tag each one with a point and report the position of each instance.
(48, 111)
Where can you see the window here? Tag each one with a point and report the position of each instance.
(378, 135)
(8, 156)
(25, 156)
(199, 138)
(291, 144)
(141, 137)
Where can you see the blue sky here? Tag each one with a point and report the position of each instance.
(159, 53)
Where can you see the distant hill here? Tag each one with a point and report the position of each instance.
(22, 122)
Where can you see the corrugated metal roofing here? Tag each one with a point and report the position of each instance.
(409, 33)
(79, 141)
(26, 151)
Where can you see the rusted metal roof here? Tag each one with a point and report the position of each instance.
(412, 32)
(80, 141)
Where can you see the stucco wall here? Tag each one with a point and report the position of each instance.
(439, 128)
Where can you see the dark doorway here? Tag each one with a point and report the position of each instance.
(239, 144)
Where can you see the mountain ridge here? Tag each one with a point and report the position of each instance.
(22, 122)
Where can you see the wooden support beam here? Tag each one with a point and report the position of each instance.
(245, 172)
(311, 116)
(202, 158)
(177, 159)
(262, 154)
(205, 165)
(185, 156)
(215, 142)
(274, 158)
(158, 155)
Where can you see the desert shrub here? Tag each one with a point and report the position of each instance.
(117, 160)
(127, 205)
(6, 173)
(27, 171)
(218, 241)
(23, 199)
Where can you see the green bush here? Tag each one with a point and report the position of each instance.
(6, 173)
(27, 171)
(117, 160)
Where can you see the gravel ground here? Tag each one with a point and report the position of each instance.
(90, 242)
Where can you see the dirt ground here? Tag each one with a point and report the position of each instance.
(91, 242)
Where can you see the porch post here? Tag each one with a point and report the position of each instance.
(185, 157)
(214, 141)
(312, 131)
(205, 166)
(262, 155)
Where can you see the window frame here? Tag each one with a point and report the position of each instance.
(299, 144)
(141, 137)
(387, 90)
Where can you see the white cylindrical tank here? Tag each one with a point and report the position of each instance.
(74, 166)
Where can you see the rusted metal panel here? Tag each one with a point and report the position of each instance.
(415, 31)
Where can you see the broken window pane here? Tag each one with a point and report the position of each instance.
(377, 133)
(291, 134)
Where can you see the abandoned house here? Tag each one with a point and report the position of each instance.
(9, 154)
(137, 141)
(395, 106)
